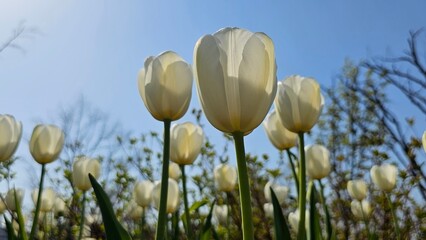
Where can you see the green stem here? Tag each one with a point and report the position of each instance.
(37, 210)
(162, 214)
(83, 203)
(44, 226)
(185, 202)
(302, 188)
(395, 219)
(143, 223)
(366, 222)
(228, 227)
(293, 169)
(327, 214)
(244, 186)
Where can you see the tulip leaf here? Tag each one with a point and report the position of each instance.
(196, 205)
(10, 232)
(280, 224)
(208, 230)
(22, 233)
(314, 218)
(114, 230)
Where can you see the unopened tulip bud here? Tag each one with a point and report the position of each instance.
(424, 140)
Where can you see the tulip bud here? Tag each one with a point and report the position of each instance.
(384, 177)
(299, 103)
(424, 140)
(48, 197)
(317, 161)
(235, 72)
(359, 212)
(80, 172)
(172, 195)
(60, 206)
(220, 213)
(280, 191)
(10, 135)
(279, 136)
(293, 220)
(10, 198)
(269, 210)
(174, 171)
(134, 211)
(142, 193)
(2, 206)
(46, 143)
(165, 85)
(186, 141)
(225, 177)
(357, 189)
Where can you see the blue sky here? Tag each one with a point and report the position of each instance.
(96, 48)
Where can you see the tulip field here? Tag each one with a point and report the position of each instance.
(332, 175)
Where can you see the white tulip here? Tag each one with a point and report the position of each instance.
(269, 210)
(46, 143)
(293, 220)
(279, 136)
(280, 191)
(186, 141)
(235, 72)
(225, 177)
(80, 174)
(220, 213)
(174, 171)
(10, 135)
(384, 176)
(60, 206)
(10, 198)
(359, 212)
(317, 161)
(172, 195)
(134, 211)
(299, 103)
(165, 85)
(142, 193)
(48, 197)
(357, 189)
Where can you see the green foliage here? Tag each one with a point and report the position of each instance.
(114, 230)
(280, 224)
